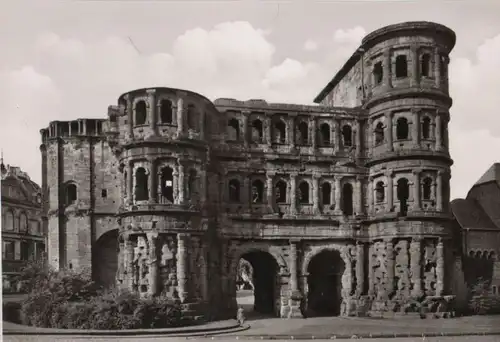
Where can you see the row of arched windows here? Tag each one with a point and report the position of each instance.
(403, 131)
(485, 255)
(280, 195)
(166, 113)
(403, 184)
(279, 133)
(10, 220)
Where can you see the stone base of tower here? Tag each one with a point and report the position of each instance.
(194, 312)
(428, 307)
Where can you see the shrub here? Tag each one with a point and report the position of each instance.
(481, 300)
(10, 311)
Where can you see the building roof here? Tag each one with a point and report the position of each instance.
(17, 187)
(492, 175)
(469, 214)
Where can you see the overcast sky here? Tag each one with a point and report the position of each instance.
(62, 60)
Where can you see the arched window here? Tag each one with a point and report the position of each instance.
(257, 131)
(379, 133)
(302, 133)
(347, 135)
(403, 192)
(280, 132)
(401, 66)
(234, 190)
(166, 115)
(71, 193)
(192, 183)
(402, 130)
(140, 113)
(192, 115)
(141, 184)
(425, 65)
(378, 73)
(426, 128)
(303, 193)
(324, 134)
(23, 222)
(444, 134)
(233, 127)
(9, 220)
(326, 192)
(379, 192)
(167, 184)
(427, 188)
(257, 191)
(347, 205)
(280, 192)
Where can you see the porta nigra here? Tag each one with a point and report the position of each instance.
(341, 208)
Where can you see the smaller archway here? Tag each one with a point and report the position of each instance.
(379, 133)
(302, 133)
(233, 126)
(257, 191)
(140, 113)
(326, 193)
(71, 193)
(23, 222)
(257, 131)
(347, 194)
(279, 132)
(378, 73)
(347, 135)
(401, 66)
(192, 184)
(403, 192)
(280, 192)
(167, 184)
(379, 192)
(425, 65)
(303, 192)
(427, 188)
(234, 190)
(426, 128)
(192, 116)
(141, 184)
(324, 134)
(166, 116)
(402, 130)
(105, 259)
(9, 220)
(324, 282)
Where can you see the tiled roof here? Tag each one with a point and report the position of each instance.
(469, 214)
(492, 175)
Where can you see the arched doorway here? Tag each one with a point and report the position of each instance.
(324, 282)
(257, 284)
(105, 259)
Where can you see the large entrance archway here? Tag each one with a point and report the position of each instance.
(105, 259)
(258, 285)
(324, 282)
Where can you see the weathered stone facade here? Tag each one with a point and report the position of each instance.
(341, 208)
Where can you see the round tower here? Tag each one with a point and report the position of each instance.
(163, 153)
(408, 106)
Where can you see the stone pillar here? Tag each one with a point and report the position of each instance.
(387, 67)
(437, 67)
(291, 130)
(181, 187)
(202, 125)
(314, 133)
(416, 128)
(153, 267)
(246, 136)
(439, 268)
(371, 281)
(415, 66)
(337, 137)
(293, 193)
(270, 192)
(337, 210)
(269, 130)
(360, 268)
(295, 295)
(415, 266)
(439, 191)
(130, 118)
(390, 265)
(347, 288)
(152, 181)
(152, 110)
(439, 141)
(129, 258)
(389, 117)
(390, 191)
(359, 195)
(180, 116)
(315, 188)
(416, 190)
(182, 264)
(203, 186)
(358, 139)
(130, 183)
(370, 195)
(175, 186)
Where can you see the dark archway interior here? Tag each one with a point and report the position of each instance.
(324, 296)
(265, 284)
(105, 259)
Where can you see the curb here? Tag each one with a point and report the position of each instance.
(171, 332)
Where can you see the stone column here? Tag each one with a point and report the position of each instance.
(439, 191)
(202, 125)
(358, 139)
(293, 193)
(437, 67)
(358, 198)
(291, 130)
(337, 210)
(153, 267)
(270, 192)
(439, 138)
(390, 265)
(415, 266)
(416, 190)
(152, 181)
(130, 183)
(180, 116)
(347, 288)
(129, 257)
(152, 110)
(370, 195)
(415, 66)
(371, 281)
(314, 133)
(182, 271)
(389, 117)
(175, 186)
(439, 268)
(246, 136)
(390, 191)
(247, 192)
(315, 188)
(294, 285)
(337, 137)
(203, 186)
(360, 268)
(387, 67)
(181, 187)
(416, 128)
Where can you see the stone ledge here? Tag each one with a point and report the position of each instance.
(220, 327)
